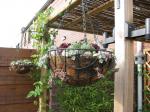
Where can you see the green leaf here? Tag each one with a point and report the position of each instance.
(30, 94)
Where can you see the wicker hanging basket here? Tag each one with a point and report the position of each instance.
(21, 66)
(22, 69)
(79, 70)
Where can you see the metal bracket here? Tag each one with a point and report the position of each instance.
(108, 40)
(140, 58)
(131, 32)
(142, 34)
(118, 4)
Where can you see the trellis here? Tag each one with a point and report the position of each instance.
(147, 80)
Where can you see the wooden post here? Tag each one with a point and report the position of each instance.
(44, 72)
(43, 96)
(124, 50)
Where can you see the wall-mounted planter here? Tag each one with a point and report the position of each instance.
(21, 66)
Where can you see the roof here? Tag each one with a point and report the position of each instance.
(99, 15)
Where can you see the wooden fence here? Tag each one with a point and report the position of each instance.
(14, 87)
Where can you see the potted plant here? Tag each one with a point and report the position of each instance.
(80, 63)
(21, 66)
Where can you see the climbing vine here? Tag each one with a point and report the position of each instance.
(43, 40)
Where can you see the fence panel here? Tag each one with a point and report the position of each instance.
(14, 87)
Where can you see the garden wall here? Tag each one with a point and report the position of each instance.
(14, 87)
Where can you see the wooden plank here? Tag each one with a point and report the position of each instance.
(12, 94)
(9, 54)
(14, 52)
(8, 77)
(11, 80)
(14, 89)
(7, 72)
(26, 107)
(95, 11)
(14, 100)
(124, 50)
(14, 78)
(59, 6)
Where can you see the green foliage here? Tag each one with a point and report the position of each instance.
(40, 85)
(81, 45)
(86, 45)
(41, 33)
(37, 91)
(39, 26)
(97, 97)
(42, 37)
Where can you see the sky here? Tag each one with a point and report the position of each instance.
(15, 14)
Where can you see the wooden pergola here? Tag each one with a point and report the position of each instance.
(99, 12)
(104, 15)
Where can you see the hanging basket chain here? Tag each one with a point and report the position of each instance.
(62, 19)
(65, 14)
(77, 65)
(84, 19)
(95, 33)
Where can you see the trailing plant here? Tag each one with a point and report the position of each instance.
(97, 97)
(22, 66)
(43, 39)
(38, 29)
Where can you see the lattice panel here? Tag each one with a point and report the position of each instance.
(147, 81)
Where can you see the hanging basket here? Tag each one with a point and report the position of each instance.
(81, 68)
(21, 66)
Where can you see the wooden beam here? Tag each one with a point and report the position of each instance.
(60, 6)
(80, 30)
(124, 51)
(96, 10)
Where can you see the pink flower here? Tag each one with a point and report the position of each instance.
(63, 46)
(96, 47)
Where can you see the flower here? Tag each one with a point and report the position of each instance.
(96, 47)
(21, 66)
(21, 62)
